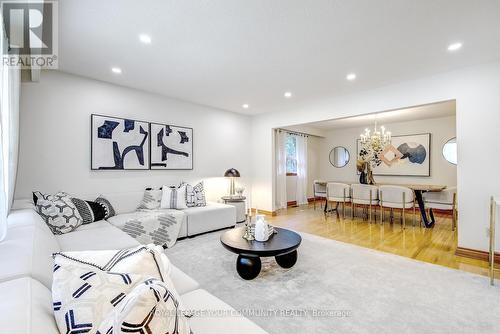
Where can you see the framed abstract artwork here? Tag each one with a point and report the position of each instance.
(407, 155)
(171, 147)
(119, 143)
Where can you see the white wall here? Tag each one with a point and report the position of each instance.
(55, 137)
(441, 130)
(313, 169)
(476, 91)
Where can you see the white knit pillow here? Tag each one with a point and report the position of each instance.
(173, 197)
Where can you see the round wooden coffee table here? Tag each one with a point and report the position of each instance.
(282, 245)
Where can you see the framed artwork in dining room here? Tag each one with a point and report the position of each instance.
(171, 147)
(407, 155)
(118, 143)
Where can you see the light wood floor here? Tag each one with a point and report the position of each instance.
(436, 245)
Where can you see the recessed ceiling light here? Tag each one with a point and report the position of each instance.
(288, 95)
(116, 70)
(351, 76)
(245, 106)
(455, 46)
(146, 39)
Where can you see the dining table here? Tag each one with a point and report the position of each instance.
(418, 190)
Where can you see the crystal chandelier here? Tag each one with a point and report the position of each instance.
(373, 144)
(380, 138)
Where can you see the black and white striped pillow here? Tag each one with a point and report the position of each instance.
(173, 197)
(90, 211)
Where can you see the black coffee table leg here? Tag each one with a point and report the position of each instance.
(248, 267)
(287, 260)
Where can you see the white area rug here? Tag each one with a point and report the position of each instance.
(383, 293)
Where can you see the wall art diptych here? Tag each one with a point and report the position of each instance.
(127, 144)
(171, 147)
(407, 155)
(118, 143)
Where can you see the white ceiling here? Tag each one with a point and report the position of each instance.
(225, 53)
(428, 111)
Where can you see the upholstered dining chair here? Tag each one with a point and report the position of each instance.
(443, 200)
(319, 191)
(338, 193)
(397, 197)
(365, 196)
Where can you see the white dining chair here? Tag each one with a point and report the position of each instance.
(338, 193)
(443, 200)
(365, 196)
(319, 191)
(397, 197)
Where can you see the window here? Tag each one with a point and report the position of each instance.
(291, 155)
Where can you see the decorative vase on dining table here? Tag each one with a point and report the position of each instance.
(363, 178)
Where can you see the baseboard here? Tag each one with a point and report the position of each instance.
(476, 254)
(294, 203)
(265, 212)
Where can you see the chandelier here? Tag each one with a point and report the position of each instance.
(373, 144)
(380, 138)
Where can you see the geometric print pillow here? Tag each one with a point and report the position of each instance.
(195, 195)
(89, 300)
(91, 288)
(58, 212)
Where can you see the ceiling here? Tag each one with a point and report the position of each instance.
(435, 110)
(226, 53)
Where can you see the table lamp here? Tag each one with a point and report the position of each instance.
(232, 173)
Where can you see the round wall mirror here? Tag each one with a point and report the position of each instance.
(339, 157)
(450, 151)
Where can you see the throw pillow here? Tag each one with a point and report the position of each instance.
(90, 211)
(173, 197)
(151, 199)
(146, 260)
(195, 195)
(90, 299)
(58, 212)
(110, 211)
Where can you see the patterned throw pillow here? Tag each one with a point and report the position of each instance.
(151, 199)
(108, 208)
(195, 196)
(90, 211)
(91, 298)
(58, 211)
(173, 197)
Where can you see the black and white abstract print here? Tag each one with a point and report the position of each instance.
(119, 143)
(171, 147)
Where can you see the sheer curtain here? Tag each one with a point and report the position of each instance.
(280, 169)
(301, 147)
(9, 135)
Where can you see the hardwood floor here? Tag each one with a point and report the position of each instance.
(436, 245)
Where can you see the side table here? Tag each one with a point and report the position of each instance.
(239, 203)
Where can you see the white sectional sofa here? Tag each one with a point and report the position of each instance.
(26, 268)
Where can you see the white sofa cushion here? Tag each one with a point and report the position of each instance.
(212, 217)
(93, 226)
(26, 308)
(124, 202)
(182, 282)
(201, 303)
(103, 238)
(28, 248)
